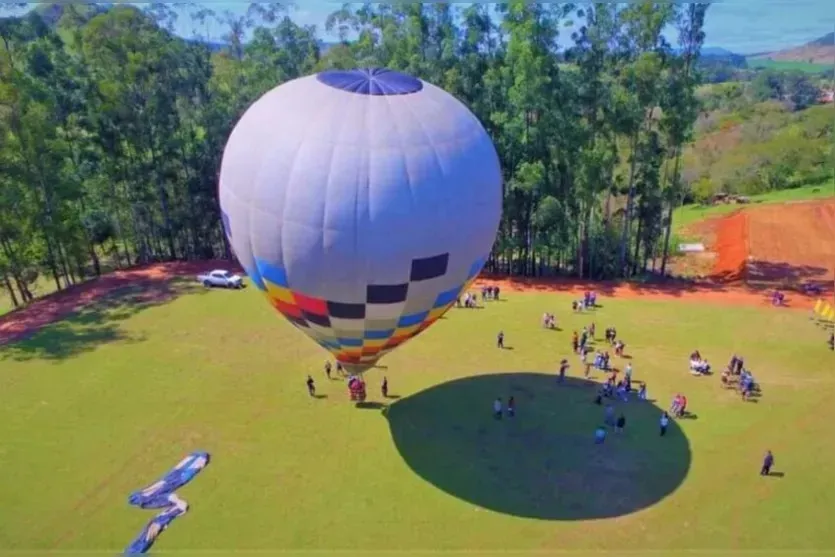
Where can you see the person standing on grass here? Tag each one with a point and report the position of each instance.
(575, 342)
(665, 421)
(620, 424)
(628, 372)
(500, 339)
(609, 415)
(311, 386)
(768, 462)
(328, 368)
(599, 435)
(563, 369)
(642, 392)
(385, 387)
(511, 407)
(497, 408)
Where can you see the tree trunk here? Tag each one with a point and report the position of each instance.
(630, 199)
(635, 256)
(10, 289)
(673, 199)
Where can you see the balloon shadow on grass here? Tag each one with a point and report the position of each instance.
(542, 463)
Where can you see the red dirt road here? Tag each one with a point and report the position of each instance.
(792, 242)
(22, 323)
(731, 247)
(786, 244)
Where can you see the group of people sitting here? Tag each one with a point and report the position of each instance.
(698, 365)
(679, 406)
(777, 298)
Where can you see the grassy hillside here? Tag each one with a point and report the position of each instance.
(788, 65)
(689, 214)
(755, 147)
(818, 51)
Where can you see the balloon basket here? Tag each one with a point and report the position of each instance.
(356, 388)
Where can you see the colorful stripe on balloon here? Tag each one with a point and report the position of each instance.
(358, 333)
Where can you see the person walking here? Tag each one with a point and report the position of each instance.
(665, 421)
(768, 462)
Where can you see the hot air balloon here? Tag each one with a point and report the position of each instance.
(362, 203)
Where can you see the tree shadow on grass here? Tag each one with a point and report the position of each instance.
(97, 323)
(542, 463)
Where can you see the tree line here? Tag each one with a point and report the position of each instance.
(112, 127)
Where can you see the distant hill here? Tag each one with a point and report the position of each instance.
(717, 51)
(819, 51)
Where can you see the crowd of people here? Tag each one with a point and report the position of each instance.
(619, 387)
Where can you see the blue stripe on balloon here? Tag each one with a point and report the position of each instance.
(414, 319)
(445, 298)
(272, 273)
(350, 342)
(476, 267)
(255, 277)
(379, 335)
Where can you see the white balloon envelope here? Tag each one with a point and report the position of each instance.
(362, 203)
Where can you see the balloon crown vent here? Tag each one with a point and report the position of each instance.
(378, 82)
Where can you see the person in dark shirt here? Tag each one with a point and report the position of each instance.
(500, 339)
(620, 424)
(563, 370)
(385, 387)
(311, 386)
(328, 369)
(511, 407)
(768, 462)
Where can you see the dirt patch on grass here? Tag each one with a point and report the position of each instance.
(785, 245)
(713, 292)
(731, 247)
(792, 243)
(154, 284)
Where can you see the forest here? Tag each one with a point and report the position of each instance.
(112, 127)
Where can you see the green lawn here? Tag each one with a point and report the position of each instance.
(689, 214)
(95, 407)
(788, 66)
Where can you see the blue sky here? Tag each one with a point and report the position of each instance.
(743, 26)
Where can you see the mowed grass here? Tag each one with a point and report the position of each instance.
(95, 408)
(786, 65)
(689, 214)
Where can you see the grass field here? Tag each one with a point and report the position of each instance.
(787, 66)
(689, 214)
(100, 405)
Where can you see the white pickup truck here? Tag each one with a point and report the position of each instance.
(221, 278)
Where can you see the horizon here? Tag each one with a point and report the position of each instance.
(768, 25)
